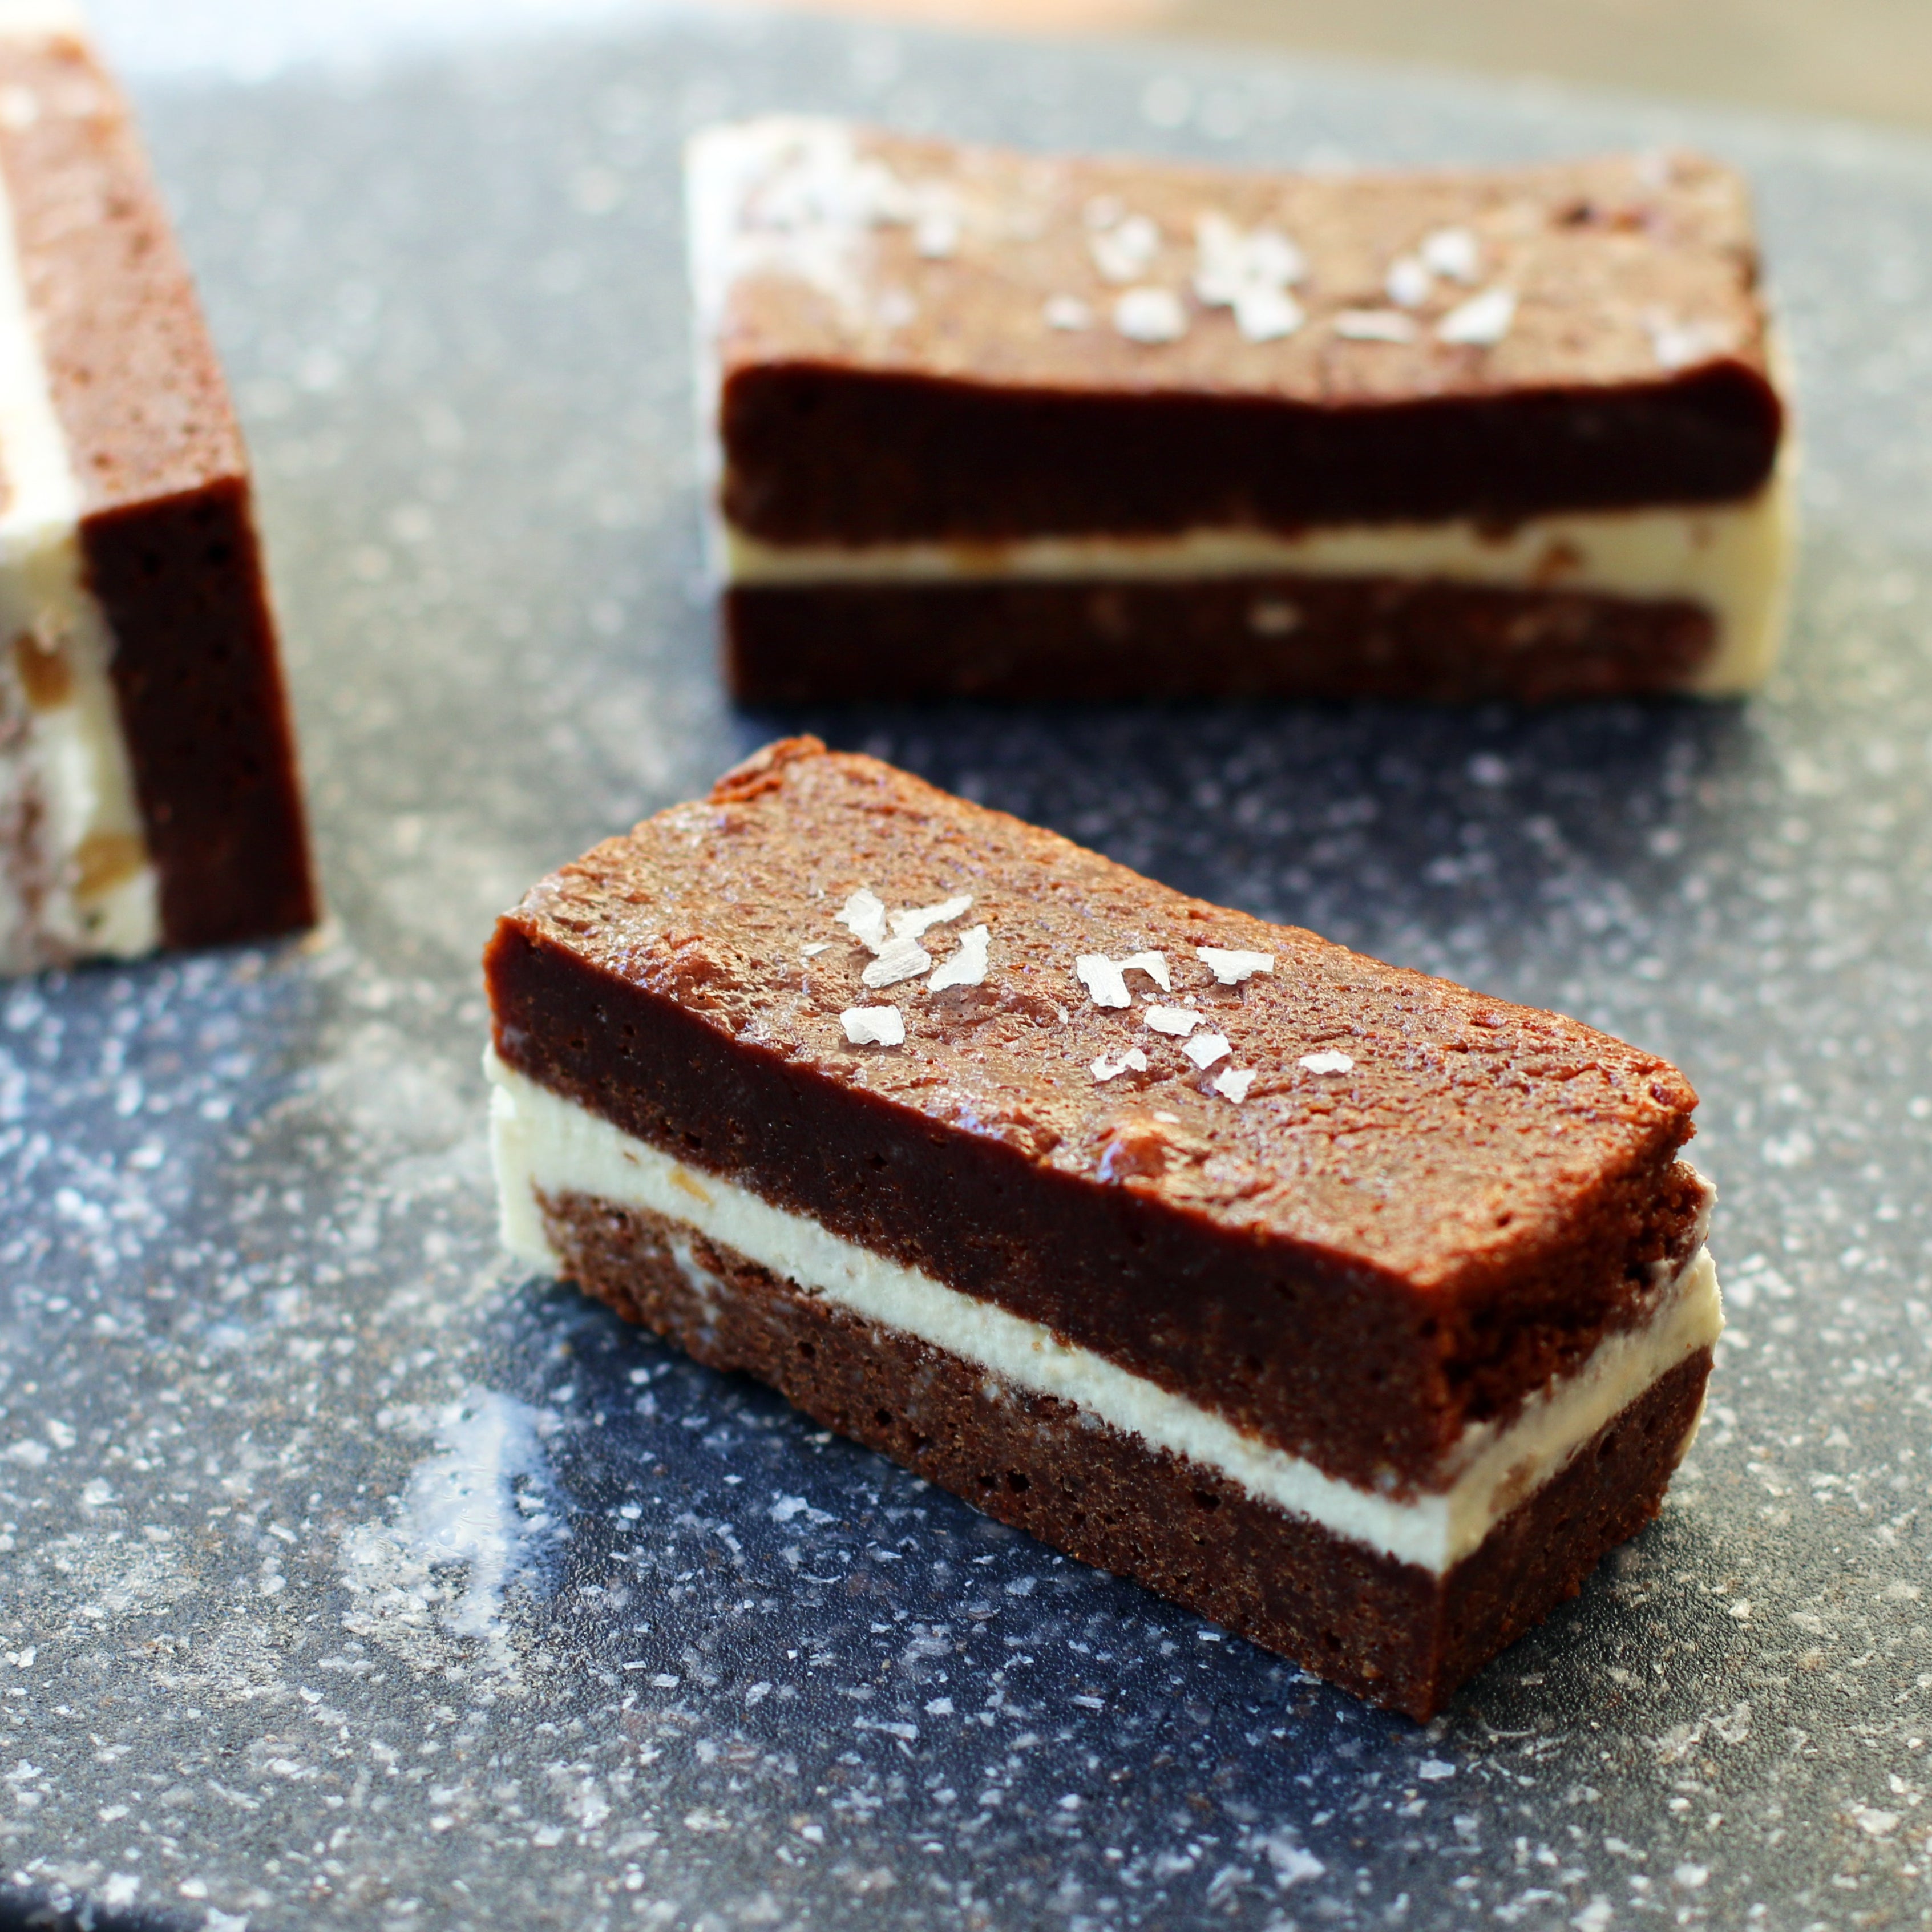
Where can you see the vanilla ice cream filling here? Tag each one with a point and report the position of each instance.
(1731, 559)
(546, 1145)
(76, 875)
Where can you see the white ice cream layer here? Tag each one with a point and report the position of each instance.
(1733, 559)
(75, 875)
(547, 1144)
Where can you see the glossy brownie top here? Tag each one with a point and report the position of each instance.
(816, 241)
(1389, 1120)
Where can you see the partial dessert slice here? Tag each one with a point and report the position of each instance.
(980, 424)
(148, 788)
(1359, 1312)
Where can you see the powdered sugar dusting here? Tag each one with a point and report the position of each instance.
(874, 1026)
(1230, 965)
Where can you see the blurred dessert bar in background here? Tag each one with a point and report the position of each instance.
(148, 788)
(980, 424)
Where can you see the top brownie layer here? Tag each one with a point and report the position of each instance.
(913, 340)
(1355, 1265)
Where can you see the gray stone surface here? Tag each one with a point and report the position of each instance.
(347, 1578)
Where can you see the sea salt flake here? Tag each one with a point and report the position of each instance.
(864, 914)
(1175, 1020)
(1453, 253)
(910, 924)
(1267, 315)
(1374, 325)
(1234, 1084)
(1102, 978)
(1230, 966)
(1481, 322)
(1230, 259)
(1205, 1049)
(1329, 1062)
(1150, 315)
(1153, 964)
(874, 1026)
(1124, 251)
(903, 958)
(1681, 345)
(1067, 312)
(818, 946)
(1408, 282)
(967, 966)
(1105, 1069)
(935, 235)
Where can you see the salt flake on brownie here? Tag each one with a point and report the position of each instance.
(874, 1026)
(967, 966)
(1230, 965)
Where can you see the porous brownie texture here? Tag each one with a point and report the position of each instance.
(1390, 1632)
(966, 415)
(167, 529)
(1354, 1268)
(1017, 640)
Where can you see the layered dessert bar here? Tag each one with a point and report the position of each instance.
(148, 790)
(981, 423)
(1358, 1312)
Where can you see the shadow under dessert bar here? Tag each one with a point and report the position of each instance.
(148, 788)
(1358, 1312)
(989, 424)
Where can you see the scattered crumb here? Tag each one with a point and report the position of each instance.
(1374, 325)
(1330, 1062)
(1454, 254)
(1150, 315)
(1204, 1049)
(967, 966)
(864, 914)
(1102, 979)
(1234, 1084)
(901, 957)
(1481, 322)
(1175, 1020)
(874, 1026)
(1067, 312)
(1153, 964)
(1230, 966)
(1104, 1068)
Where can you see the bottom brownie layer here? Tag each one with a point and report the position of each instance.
(1393, 1632)
(1288, 636)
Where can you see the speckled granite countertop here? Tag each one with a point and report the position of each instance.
(347, 1578)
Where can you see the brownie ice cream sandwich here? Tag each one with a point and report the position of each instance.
(979, 423)
(1358, 1312)
(148, 788)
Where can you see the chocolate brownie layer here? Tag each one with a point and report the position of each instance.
(1357, 1261)
(909, 340)
(1013, 640)
(166, 530)
(1390, 1632)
